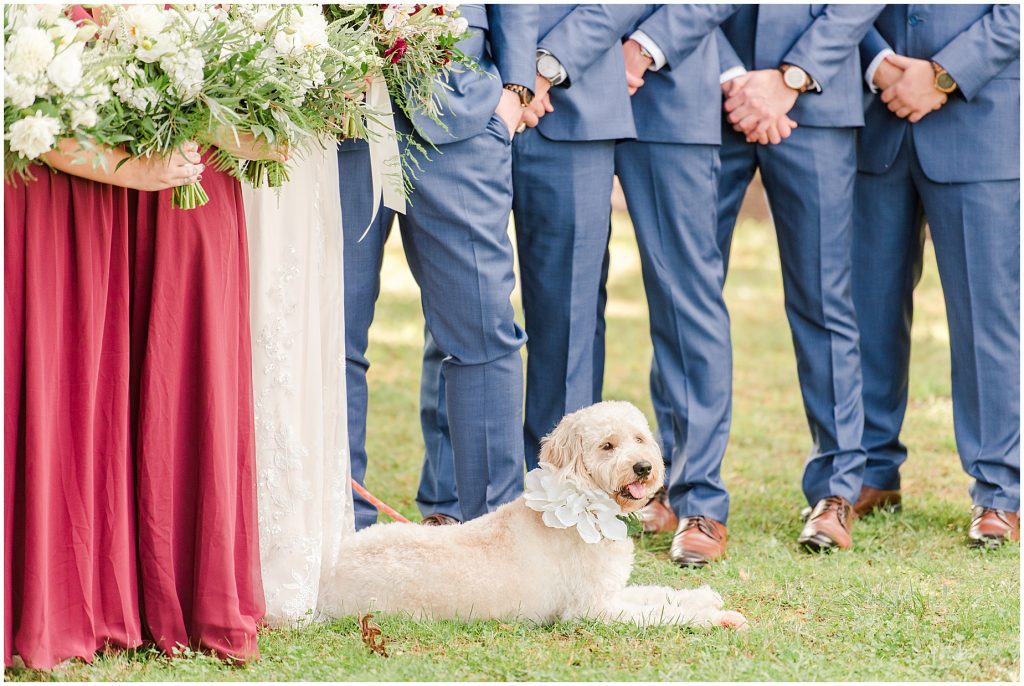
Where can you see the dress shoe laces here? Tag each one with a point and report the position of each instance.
(980, 512)
(836, 503)
(703, 524)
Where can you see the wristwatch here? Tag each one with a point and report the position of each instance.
(550, 68)
(944, 83)
(524, 93)
(645, 52)
(796, 78)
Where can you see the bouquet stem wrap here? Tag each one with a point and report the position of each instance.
(383, 143)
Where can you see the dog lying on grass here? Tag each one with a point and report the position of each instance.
(558, 552)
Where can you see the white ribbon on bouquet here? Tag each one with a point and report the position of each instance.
(383, 151)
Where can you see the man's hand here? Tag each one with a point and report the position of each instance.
(914, 94)
(636, 65)
(886, 74)
(758, 103)
(541, 103)
(510, 111)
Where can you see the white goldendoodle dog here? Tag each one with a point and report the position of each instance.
(518, 562)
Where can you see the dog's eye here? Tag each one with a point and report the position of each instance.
(607, 446)
(639, 438)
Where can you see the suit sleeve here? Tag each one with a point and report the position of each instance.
(872, 44)
(828, 42)
(727, 57)
(983, 50)
(586, 33)
(679, 29)
(512, 34)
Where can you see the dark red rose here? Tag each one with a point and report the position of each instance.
(396, 51)
(439, 10)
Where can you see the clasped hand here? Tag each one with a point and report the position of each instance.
(908, 87)
(758, 104)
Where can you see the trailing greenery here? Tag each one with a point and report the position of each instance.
(910, 602)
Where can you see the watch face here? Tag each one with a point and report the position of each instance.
(944, 81)
(795, 78)
(547, 66)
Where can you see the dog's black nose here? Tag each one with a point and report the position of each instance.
(642, 468)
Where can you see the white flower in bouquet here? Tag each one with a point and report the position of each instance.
(304, 30)
(564, 504)
(262, 16)
(19, 92)
(152, 50)
(55, 77)
(28, 52)
(395, 16)
(201, 18)
(136, 23)
(63, 31)
(185, 70)
(65, 69)
(34, 135)
(83, 117)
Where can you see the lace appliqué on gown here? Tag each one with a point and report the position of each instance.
(305, 505)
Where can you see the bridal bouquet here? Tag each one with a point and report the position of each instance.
(311, 80)
(55, 81)
(413, 48)
(173, 83)
(216, 73)
(416, 45)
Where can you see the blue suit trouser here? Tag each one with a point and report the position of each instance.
(455, 236)
(975, 229)
(809, 181)
(562, 208)
(562, 214)
(671, 191)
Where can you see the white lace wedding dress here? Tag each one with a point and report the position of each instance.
(298, 325)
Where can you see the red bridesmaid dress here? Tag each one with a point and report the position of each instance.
(192, 410)
(69, 506)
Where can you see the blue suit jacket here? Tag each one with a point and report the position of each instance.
(820, 39)
(682, 101)
(503, 39)
(593, 104)
(975, 136)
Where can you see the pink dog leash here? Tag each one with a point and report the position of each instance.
(378, 503)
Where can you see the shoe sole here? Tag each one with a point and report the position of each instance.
(987, 542)
(818, 543)
(693, 565)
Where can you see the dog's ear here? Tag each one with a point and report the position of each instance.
(563, 447)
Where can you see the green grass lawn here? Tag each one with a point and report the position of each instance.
(910, 602)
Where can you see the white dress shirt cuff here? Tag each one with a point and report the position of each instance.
(730, 74)
(869, 75)
(651, 47)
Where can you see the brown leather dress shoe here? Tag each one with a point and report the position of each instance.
(438, 519)
(828, 526)
(698, 541)
(873, 499)
(990, 528)
(658, 517)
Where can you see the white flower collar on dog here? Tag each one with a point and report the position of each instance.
(594, 514)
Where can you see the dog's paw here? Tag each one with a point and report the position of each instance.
(730, 619)
(703, 597)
